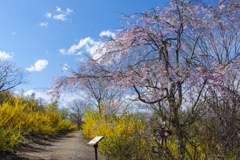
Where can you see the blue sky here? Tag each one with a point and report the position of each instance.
(40, 35)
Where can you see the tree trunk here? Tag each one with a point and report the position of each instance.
(99, 106)
(180, 144)
(179, 135)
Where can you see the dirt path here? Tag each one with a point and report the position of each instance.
(73, 146)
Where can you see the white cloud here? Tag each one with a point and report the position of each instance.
(79, 53)
(58, 9)
(49, 15)
(69, 10)
(92, 48)
(69, 97)
(87, 43)
(38, 95)
(65, 67)
(80, 59)
(108, 34)
(62, 51)
(39, 65)
(45, 24)
(14, 33)
(60, 16)
(4, 55)
(63, 101)
(82, 43)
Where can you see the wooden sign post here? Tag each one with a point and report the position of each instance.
(94, 143)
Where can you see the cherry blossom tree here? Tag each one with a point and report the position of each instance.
(179, 57)
(10, 76)
(95, 91)
(98, 94)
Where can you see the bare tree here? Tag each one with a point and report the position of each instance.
(78, 108)
(10, 76)
(41, 101)
(33, 95)
(65, 113)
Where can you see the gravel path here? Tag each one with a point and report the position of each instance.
(73, 146)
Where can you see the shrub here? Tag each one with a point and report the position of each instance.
(17, 119)
(122, 139)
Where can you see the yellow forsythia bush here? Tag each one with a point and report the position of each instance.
(121, 135)
(17, 119)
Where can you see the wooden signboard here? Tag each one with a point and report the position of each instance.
(95, 140)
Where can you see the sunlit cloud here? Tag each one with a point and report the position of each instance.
(60, 17)
(39, 65)
(58, 9)
(46, 99)
(5, 55)
(89, 44)
(80, 59)
(49, 15)
(38, 95)
(63, 14)
(65, 67)
(69, 10)
(107, 34)
(62, 51)
(45, 24)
